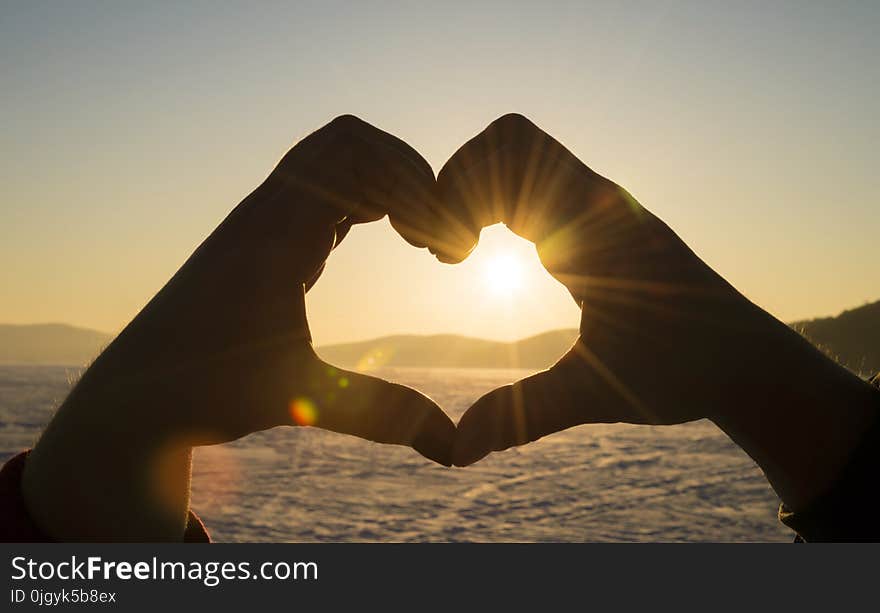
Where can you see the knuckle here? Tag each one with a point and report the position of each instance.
(337, 128)
(512, 121)
(347, 122)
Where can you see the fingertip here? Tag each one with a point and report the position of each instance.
(445, 257)
(465, 456)
(465, 461)
(435, 438)
(423, 425)
(453, 252)
(475, 436)
(410, 232)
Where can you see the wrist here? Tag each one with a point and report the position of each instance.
(801, 420)
(94, 475)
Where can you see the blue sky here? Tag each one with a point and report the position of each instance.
(131, 129)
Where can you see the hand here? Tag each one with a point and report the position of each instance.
(663, 338)
(645, 297)
(224, 350)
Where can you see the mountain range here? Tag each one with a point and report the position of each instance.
(852, 338)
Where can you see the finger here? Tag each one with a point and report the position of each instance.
(482, 180)
(585, 227)
(395, 184)
(390, 141)
(513, 172)
(412, 208)
(391, 177)
(515, 415)
(345, 173)
(578, 389)
(472, 200)
(339, 169)
(376, 410)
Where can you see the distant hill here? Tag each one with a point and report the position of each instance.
(852, 338)
(50, 344)
(449, 350)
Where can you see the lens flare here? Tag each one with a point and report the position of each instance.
(303, 411)
(373, 359)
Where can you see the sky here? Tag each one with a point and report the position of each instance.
(131, 129)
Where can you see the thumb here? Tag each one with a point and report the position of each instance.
(574, 391)
(376, 410)
(514, 415)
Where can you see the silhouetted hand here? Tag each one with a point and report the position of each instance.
(226, 342)
(663, 338)
(649, 305)
(224, 350)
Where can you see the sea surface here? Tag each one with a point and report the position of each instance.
(591, 483)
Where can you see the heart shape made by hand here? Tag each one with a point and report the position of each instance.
(229, 330)
(224, 350)
(652, 311)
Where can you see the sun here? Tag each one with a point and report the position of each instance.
(504, 273)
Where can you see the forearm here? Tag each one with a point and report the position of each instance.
(99, 473)
(115, 461)
(801, 417)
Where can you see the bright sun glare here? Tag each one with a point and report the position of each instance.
(504, 273)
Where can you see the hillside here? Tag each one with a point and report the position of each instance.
(448, 350)
(852, 338)
(49, 344)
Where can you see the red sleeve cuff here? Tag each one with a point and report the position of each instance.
(16, 525)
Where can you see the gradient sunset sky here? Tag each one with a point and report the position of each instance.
(131, 129)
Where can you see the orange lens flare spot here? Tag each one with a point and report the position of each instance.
(303, 411)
